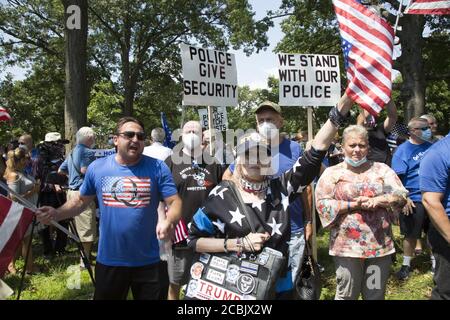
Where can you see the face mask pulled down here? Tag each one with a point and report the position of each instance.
(355, 164)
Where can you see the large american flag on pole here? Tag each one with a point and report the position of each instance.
(367, 43)
(428, 7)
(14, 222)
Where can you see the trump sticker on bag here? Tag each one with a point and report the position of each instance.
(204, 257)
(249, 267)
(219, 263)
(197, 270)
(215, 276)
(263, 258)
(192, 288)
(245, 283)
(232, 273)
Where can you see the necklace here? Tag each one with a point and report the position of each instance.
(254, 187)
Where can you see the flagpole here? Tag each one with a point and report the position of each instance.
(399, 13)
(33, 208)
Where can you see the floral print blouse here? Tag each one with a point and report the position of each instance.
(358, 234)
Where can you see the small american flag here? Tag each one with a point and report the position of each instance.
(428, 7)
(4, 115)
(126, 192)
(367, 43)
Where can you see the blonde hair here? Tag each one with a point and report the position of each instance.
(355, 129)
(13, 159)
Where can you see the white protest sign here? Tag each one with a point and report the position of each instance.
(220, 119)
(309, 79)
(100, 153)
(209, 77)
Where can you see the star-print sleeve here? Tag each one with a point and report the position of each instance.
(305, 170)
(327, 206)
(203, 226)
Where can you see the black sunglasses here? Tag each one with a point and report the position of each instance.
(423, 129)
(130, 135)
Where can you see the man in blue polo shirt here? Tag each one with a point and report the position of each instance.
(435, 187)
(406, 162)
(75, 167)
(129, 187)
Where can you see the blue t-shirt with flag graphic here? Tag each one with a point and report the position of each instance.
(128, 198)
(435, 171)
(406, 162)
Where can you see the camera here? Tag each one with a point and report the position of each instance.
(51, 155)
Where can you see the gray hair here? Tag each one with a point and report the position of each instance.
(158, 135)
(428, 117)
(83, 134)
(355, 129)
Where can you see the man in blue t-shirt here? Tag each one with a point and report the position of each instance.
(285, 153)
(75, 167)
(128, 187)
(406, 162)
(435, 187)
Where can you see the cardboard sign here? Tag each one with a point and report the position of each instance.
(100, 153)
(209, 77)
(220, 118)
(309, 79)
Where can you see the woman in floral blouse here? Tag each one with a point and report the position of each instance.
(357, 200)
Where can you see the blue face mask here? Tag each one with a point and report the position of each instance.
(426, 135)
(354, 163)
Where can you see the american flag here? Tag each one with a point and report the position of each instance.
(14, 222)
(126, 192)
(4, 115)
(428, 7)
(168, 141)
(367, 43)
(181, 232)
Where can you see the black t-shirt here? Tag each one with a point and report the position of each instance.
(194, 180)
(379, 148)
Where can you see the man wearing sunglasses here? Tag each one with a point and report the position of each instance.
(406, 162)
(128, 186)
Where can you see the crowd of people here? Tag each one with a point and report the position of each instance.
(156, 209)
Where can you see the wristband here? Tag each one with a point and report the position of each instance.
(225, 245)
(336, 118)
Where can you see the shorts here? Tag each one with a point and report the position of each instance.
(411, 226)
(179, 265)
(85, 222)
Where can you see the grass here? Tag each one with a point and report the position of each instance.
(60, 278)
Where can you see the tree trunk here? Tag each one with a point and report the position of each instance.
(412, 70)
(76, 93)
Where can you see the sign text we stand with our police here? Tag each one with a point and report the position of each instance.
(309, 79)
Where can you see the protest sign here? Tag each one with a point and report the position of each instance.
(220, 119)
(209, 77)
(309, 79)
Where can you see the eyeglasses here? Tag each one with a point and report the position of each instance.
(130, 135)
(423, 129)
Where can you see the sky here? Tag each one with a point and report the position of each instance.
(252, 71)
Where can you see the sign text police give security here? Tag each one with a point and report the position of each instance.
(210, 77)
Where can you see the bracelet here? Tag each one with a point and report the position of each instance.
(336, 118)
(225, 245)
(239, 246)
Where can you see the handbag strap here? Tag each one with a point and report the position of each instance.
(75, 166)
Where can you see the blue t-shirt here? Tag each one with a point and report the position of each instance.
(406, 162)
(82, 156)
(128, 198)
(435, 171)
(288, 153)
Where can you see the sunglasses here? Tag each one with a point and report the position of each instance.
(423, 129)
(130, 135)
